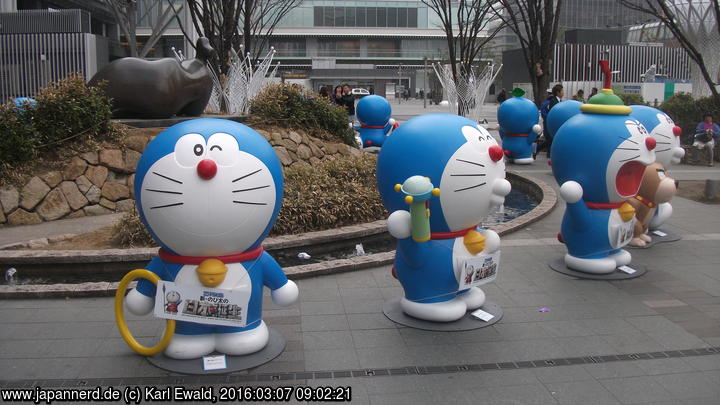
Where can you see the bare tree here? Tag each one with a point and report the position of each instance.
(127, 15)
(231, 23)
(535, 23)
(464, 22)
(665, 11)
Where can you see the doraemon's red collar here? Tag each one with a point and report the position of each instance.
(517, 135)
(604, 206)
(645, 201)
(372, 126)
(451, 235)
(237, 258)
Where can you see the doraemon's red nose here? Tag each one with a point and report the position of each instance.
(207, 169)
(650, 143)
(677, 131)
(495, 152)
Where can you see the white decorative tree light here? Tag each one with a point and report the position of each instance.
(469, 91)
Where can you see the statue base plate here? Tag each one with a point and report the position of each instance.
(275, 346)
(559, 266)
(394, 312)
(669, 237)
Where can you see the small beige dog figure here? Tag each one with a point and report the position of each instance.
(656, 188)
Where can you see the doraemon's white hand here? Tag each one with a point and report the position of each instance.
(139, 304)
(571, 191)
(500, 189)
(285, 295)
(492, 241)
(537, 129)
(399, 224)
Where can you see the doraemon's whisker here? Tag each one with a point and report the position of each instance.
(664, 136)
(466, 175)
(628, 139)
(165, 206)
(468, 188)
(249, 203)
(663, 143)
(250, 189)
(163, 191)
(247, 175)
(472, 163)
(662, 150)
(634, 157)
(628, 148)
(166, 177)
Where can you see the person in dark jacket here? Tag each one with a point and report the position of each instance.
(337, 96)
(502, 96)
(349, 102)
(555, 97)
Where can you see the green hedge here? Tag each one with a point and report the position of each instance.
(328, 195)
(632, 99)
(296, 107)
(688, 112)
(65, 110)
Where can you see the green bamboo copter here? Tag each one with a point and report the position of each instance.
(418, 190)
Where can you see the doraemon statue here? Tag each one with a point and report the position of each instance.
(518, 119)
(559, 114)
(669, 151)
(209, 190)
(373, 112)
(599, 157)
(449, 172)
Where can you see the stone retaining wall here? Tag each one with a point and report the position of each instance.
(701, 157)
(101, 182)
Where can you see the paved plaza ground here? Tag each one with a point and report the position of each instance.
(624, 342)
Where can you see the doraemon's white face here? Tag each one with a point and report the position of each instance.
(473, 182)
(668, 141)
(208, 198)
(627, 164)
(172, 296)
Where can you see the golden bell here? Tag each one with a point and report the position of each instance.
(211, 272)
(474, 242)
(626, 211)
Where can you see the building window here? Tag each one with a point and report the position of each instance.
(329, 16)
(339, 48)
(383, 48)
(289, 47)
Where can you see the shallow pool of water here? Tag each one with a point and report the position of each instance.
(516, 204)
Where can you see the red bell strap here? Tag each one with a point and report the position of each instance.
(645, 201)
(372, 126)
(604, 206)
(517, 135)
(451, 235)
(237, 258)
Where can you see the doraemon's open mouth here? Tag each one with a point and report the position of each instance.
(629, 178)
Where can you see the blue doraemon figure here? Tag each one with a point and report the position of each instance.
(462, 160)
(209, 190)
(518, 118)
(559, 114)
(599, 158)
(668, 151)
(373, 112)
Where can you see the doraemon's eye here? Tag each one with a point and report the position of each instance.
(224, 149)
(189, 150)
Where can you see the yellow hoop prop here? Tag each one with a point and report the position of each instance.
(122, 324)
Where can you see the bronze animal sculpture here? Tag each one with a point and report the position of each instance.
(160, 88)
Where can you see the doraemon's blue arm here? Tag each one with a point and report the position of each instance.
(399, 226)
(284, 292)
(157, 266)
(572, 193)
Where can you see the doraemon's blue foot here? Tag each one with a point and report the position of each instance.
(446, 311)
(183, 347)
(474, 298)
(241, 343)
(605, 265)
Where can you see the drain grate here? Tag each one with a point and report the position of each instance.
(363, 373)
